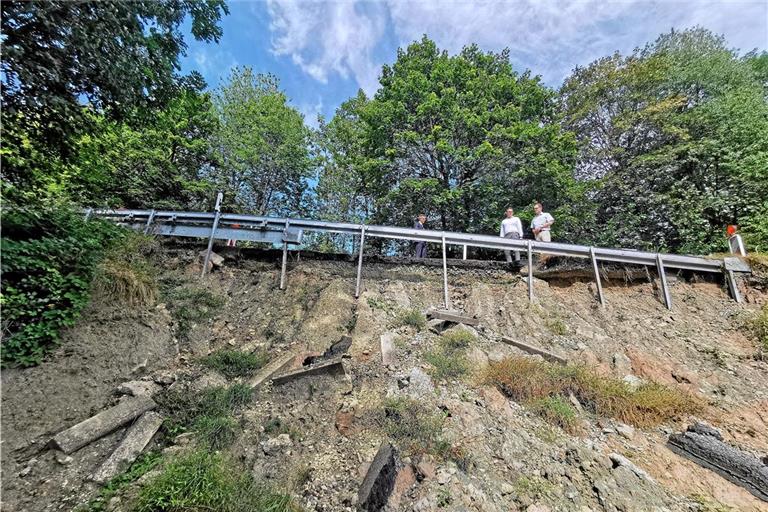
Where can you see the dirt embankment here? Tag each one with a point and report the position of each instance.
(515, 460)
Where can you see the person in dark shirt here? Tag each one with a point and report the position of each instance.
(421, 247)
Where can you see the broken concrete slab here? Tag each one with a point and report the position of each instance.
(452, 316)
(339, 348)
(387, 348)
(77, 436)
(703, 445)
(437, 325)
(273, 367)
(379, 480)
(136, 439)
(331, 368)
(548, 356)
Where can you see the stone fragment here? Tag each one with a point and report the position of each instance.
(276, 444)
(625, 431)
(63, 459)
(215, 260)
(136, 439)
(426, 469)
(419, 384)
(621, 461)
(622, 364)
(106, 421)
(436, 325)
(379, 481)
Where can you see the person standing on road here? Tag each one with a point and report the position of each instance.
(421, 247)
(511, 227)
(542, 224)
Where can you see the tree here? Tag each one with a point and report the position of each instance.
(264, 145)
(674, 140)
(460, 137)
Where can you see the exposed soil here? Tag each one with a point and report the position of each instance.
(517, 461)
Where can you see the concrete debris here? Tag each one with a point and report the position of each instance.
(136, 439)
(452, 316)
(339, 348)
(436, 325)
(548, 356)
(331, 368)
(379, 481)
(387, 348)
(106, 421)
(273, 367)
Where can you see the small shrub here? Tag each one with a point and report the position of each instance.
(189, 305)
(758, 327)
(456, 339)
(443, 498)
(527, 380)
(557, 326)
(379, 303)
(557, 411)
(413, 318)
(412, 426)
(202, 480)
(534, 487)
(446, 365)
(232, 363)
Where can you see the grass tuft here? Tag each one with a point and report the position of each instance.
(412, 426)
(232, 363)
(758, 328)
(557, 410)
(126, 273)
(203, 480)
(447, 359)
(456, 339)
(529, 380)
(143, 464)
(216, 432)
(413, 318)
(189, 305)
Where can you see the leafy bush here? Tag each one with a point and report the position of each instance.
(49, 259)
(413, 318)
(530, 380)
(202, 480)
(232, 363)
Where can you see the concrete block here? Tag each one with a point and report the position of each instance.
(136, 439)
(548, 356)
(452, 316)
(387, 348)
(331, 368)
(106, 421)
(273, 367)
(379, 481)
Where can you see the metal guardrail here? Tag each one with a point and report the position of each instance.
(287, 231)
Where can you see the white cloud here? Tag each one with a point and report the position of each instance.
(324, 38)
(310, 111)
(213, 62)
(548, 36)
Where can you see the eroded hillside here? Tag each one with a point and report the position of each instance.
(462, 443)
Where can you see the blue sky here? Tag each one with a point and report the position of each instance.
(323, 52)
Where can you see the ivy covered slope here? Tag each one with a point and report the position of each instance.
(49, 259)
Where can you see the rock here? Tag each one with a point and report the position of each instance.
(622, 364)
(387, 348)
(63, 459)
(625, 431)
(276, 444)
(477, 357)
(621, 461)
(26, 471)
(633, 381)
(538, 507)
(379, 480)
(507, 489)
(443, 476)
(436, 325)
(138, 388)
(419, 383)
(426, 469)
(207, 380)
(183, 439)
(165, 378)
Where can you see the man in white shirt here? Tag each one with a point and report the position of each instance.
(511, 227)
(541, 224)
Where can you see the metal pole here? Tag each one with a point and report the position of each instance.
(285, 257)
(530, 271)
(88, 214)
(217, 209)
(149, 221)
(464, 252)
(597, 276)
(360, 262)
(663, 277)
(445, 278)
(733, 286)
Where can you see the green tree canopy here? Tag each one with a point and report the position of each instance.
(264, 146)
(675, 139)
(458, 137)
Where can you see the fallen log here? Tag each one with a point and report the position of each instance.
(136, 439)
(703, 445)
(77, 436)
(549, 356)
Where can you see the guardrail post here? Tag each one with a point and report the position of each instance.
(360, 262)
(733, 285)
(597, 276)
(445, 278)
(464, 252)
(149, 222)
(217, 209)
(285, 257)
(530, 271)
(663, 278)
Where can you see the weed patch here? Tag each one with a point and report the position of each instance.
(232, 363)
(758, 329)
(126, 274)
(412, 318)
(142, 465)
(529, 380)
(190, 305)
(414, 428)
(457, 339)
(557, 410)
(557, 326)
(448, 359)
(202, 480)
